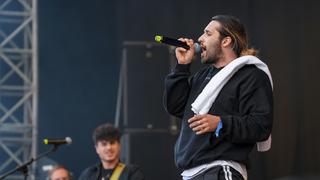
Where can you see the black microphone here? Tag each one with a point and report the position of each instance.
(177, 43)
(66, 140)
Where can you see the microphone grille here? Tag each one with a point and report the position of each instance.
(197, 48)
(68, 140)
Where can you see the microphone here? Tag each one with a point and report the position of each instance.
(177, 43)
(66, 140)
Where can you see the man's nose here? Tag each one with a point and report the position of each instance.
(108, 146)
(200, 39)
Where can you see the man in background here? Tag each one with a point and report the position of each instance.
(106, 138)
(59, 172)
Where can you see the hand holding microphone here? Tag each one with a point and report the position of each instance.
(185, 50)
(183, 55)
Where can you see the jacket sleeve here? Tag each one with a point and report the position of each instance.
(177, 88)
(254, 123)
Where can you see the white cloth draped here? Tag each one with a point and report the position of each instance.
(208, 95)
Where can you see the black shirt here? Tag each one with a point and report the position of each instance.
(95, 172)
(106, 173)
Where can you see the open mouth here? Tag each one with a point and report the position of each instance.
(203, 49)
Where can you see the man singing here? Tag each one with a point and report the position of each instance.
(226, 108)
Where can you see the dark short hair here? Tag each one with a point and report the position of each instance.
(232, 27)
(106, 132)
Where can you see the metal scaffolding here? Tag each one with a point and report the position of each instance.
(18, 84)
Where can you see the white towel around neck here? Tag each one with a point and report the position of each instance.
(208, 95)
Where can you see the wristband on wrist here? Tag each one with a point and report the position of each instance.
(218, 128)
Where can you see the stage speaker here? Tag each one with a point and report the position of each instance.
(149, 131)
(147, 64)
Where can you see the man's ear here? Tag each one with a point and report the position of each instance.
(226, 41)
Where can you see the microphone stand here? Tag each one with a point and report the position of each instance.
(23, 168)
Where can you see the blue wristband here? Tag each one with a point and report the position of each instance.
(218, 128)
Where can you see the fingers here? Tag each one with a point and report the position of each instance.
(185, 56)
(186, 40)
(181, 50)
(202, 128)
(202, 131)
(201, 124)
(195, 124)
(195, 118)
(198, 124)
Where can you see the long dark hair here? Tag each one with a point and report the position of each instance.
(232, 27)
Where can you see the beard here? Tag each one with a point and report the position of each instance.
(214, 55)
